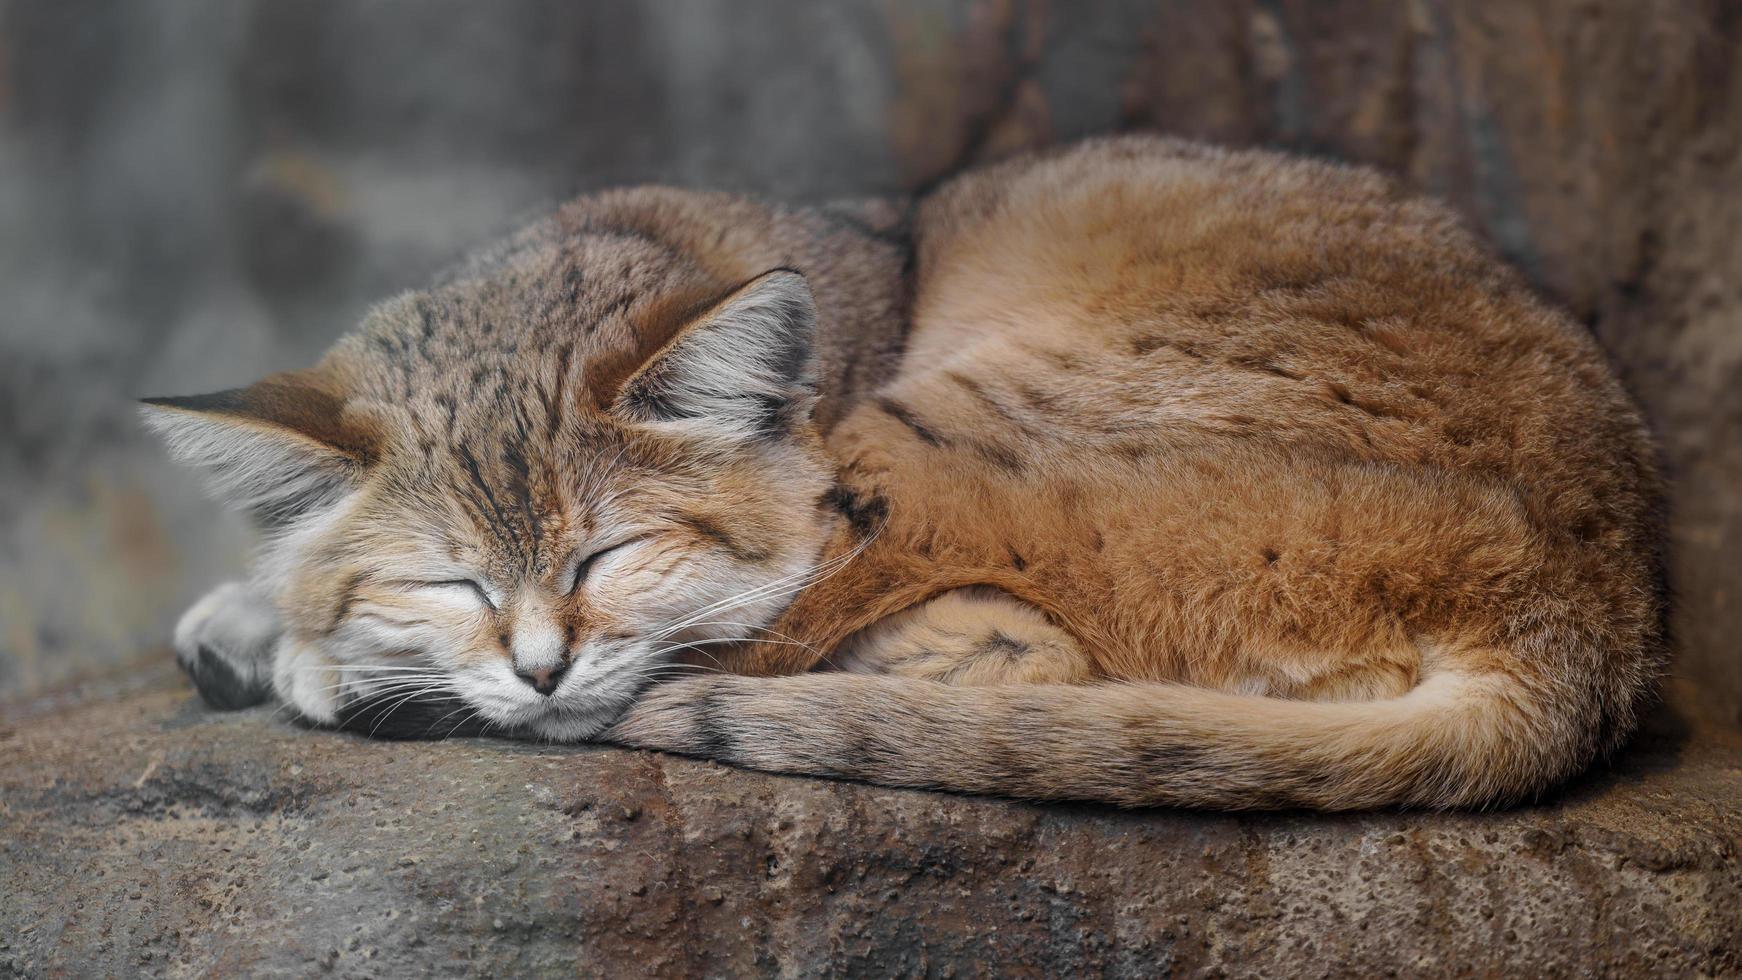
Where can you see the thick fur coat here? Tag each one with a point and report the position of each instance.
(1135, 471)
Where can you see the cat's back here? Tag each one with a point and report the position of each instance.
(1183, 382)
(1141, 284)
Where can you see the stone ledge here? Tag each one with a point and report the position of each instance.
(141, 833)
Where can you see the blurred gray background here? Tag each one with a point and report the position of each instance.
(195, 192)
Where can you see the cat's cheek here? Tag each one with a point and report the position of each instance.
(305, 679)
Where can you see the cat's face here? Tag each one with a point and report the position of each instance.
(548, 604)
(508, 523)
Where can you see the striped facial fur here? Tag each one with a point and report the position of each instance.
(1136, 471)
(523, 504)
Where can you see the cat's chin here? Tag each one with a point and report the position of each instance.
(581, 709)
(563, 725)
(564, 721)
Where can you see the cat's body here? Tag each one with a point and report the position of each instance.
(1137, 471)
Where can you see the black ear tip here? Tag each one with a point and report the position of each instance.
(787, 285)
(789, 278)
(217, 401)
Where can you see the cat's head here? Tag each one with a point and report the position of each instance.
(539, 485)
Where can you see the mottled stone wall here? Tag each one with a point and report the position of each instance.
(193, 192)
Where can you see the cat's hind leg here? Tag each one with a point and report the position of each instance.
(972, 636)
(225, 642)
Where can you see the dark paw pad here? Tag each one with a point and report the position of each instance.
(220, 685)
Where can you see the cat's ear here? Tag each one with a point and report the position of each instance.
(278, 449)
(741, 370)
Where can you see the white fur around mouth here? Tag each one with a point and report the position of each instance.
(572, 719)
(561, 724)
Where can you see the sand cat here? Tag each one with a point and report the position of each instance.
(1135, 471)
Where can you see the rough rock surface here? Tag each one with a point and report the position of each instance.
(141, 833)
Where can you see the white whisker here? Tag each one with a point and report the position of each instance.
(367, 690)
(397, 704)
(780, 587)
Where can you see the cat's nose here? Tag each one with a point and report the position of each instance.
(545, 679)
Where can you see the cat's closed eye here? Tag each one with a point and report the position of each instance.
(457, 587)
(585, 566)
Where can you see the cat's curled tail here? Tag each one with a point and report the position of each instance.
(1458, 739)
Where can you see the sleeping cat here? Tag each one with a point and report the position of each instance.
(1135, 471)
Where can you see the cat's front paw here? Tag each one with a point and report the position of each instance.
(225, 642)
(686, 715)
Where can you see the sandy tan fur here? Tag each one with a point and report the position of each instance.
(1136, 471)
